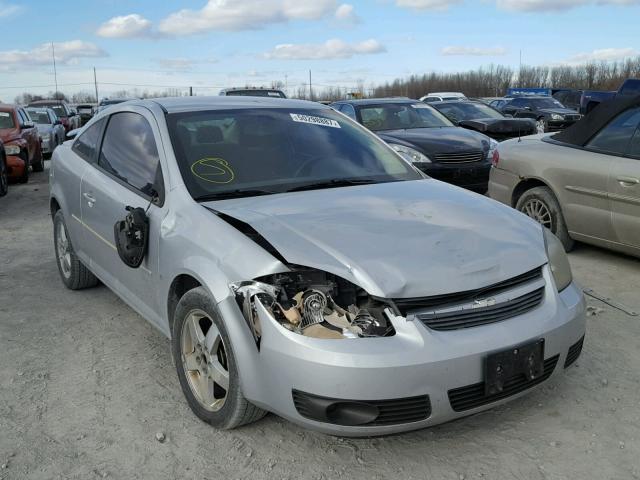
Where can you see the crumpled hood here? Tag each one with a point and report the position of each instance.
(437, 140)
(397, 240)
(9, 134)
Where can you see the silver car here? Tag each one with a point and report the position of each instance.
(300, 266)
(49, 127)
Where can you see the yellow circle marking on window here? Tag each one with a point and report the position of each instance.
(213, 170)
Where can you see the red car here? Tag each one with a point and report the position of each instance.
(4, 178)
(21, 142)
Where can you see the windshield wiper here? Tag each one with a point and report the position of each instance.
(336, 182)
(239, 193)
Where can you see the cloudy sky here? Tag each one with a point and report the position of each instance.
(217, 43)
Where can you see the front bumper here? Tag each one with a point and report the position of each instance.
(15, 166)
(502, 184)
(416, 362)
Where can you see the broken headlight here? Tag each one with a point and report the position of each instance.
(315, 304)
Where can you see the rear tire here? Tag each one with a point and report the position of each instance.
(4, 179)
(205, 363)
(74, 274)
(541, 204)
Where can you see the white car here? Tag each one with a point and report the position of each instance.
(442, 96)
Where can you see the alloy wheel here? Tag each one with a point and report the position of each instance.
(63, 250)
(204, 360)
(4, 181)
(539, 211)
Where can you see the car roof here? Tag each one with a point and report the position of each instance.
(456, 102)
(50, 101)
(187, 104)
(445, 94)
(379, 101)
(8, 106)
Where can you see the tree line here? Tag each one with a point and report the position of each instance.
(494, 80)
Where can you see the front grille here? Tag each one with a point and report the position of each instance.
(473, 396)
(474, 317)
(573, 118)
(406, 305)
(574, 352)
(460, 157)
(390, 412)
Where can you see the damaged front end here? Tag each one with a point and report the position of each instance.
(315, 304)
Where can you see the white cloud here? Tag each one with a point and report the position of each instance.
(233, 15)
(602, 55)
(427, 4)
(182, 63)
(9, 9)
(556, 5)
(346, 13)
(66, 53)
(473, 51)
(330, 49)
(125, 26)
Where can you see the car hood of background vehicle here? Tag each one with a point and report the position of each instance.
(500, 125)
(437, 140)
(9, 134)
(398, 239)
(559, 111)
(44, 128)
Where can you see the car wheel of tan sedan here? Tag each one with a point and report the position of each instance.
(206, 364)
(541, 204)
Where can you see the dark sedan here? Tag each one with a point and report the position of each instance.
(550, 115)
(427, 139)
(485, 119)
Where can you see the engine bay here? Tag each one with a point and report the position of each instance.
(315, 304)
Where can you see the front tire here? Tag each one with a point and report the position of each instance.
(206, 364)
(24, 178)
(74, 274)
(38, 166)
(541, 204)
(4, 179)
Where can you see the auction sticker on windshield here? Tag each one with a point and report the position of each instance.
(325, 122)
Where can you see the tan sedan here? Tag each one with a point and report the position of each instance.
(584, 183)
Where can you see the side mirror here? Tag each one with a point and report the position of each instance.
(508, 115)
(71, 134)
(132, 236)
(528, 109)
(28, 125)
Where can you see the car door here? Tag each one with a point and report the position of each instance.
(611, 145)
(624, 184)
(68, 172)
(127, 174)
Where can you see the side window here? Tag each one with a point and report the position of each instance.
(129, 152)
(26, 116)
(616, 136)
(87, 143)
(634, 146)
(349, 111)
(21, 118)
(518, 102)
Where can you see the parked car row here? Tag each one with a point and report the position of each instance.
(21, 141)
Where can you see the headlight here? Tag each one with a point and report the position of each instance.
(555, 116)
(12, 149)
(558, 260)
(410, 154)
(492, 148)
(315, 304)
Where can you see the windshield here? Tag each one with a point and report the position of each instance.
(546, 103)
(59, 109)
(6, 120)
(39, 116)
(468, 111)
(277, 150)
(255, 93)
(402, 116)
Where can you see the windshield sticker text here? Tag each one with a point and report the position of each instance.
(325, 122)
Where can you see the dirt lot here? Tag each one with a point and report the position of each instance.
(85, 385)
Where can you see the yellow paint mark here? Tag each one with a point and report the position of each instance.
(213, 170)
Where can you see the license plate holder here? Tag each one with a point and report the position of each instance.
(500, 367)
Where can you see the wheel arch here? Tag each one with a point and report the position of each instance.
(527, 184)
(180, 285)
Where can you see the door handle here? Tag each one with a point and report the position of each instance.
(90, 198)
(628, 181)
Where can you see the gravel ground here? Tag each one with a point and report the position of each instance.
(86, 385)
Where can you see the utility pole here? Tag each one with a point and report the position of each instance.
(55, 73)
(191, 91)
(520, 71)
(95, 83)
(286, 83)
(310, 88)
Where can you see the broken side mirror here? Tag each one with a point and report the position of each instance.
(132, 236)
